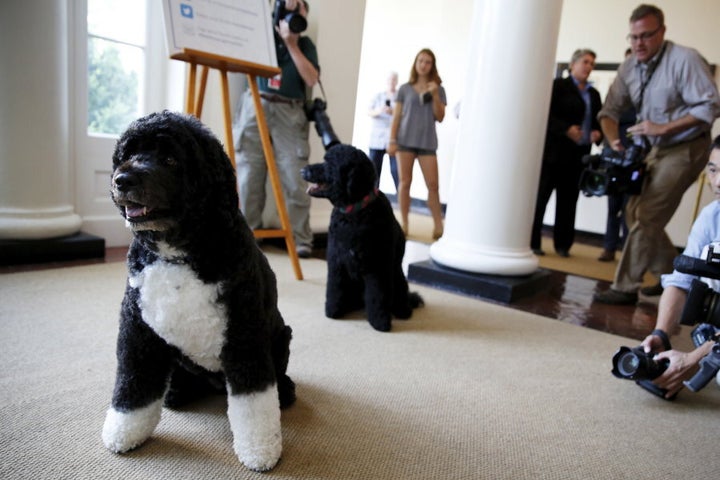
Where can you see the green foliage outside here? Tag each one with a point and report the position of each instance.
(112, 91)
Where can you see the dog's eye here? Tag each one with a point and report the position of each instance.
(170, 161)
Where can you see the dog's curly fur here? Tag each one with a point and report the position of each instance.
(365, 242)
(201, 299)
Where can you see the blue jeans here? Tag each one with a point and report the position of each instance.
(376, 156)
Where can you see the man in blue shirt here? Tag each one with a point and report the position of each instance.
(705, 230)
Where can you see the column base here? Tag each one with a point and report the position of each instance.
(493, 287)
(472, 258)
(72, 247)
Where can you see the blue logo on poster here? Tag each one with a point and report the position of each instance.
(186, 10)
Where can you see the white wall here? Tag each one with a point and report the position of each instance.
(336, 28)
(396, 29)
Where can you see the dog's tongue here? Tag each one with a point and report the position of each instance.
(314, 187)
(134, 212)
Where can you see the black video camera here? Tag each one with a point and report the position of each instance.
(703, 303)
(316, 111)
(296, 22)
(614, 172)
(636, 364)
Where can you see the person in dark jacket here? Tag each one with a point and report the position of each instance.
(572, 128)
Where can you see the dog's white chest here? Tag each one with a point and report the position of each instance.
(183, 310)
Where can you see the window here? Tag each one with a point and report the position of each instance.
(116, 64)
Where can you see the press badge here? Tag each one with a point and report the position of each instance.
(275, 82)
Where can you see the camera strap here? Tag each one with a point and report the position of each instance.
(650, 72)
(322, 90)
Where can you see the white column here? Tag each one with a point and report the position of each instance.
(36, 191)
(502, 130)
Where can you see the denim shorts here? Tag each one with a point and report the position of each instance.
(417, 151)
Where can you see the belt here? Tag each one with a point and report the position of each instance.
(272, 98)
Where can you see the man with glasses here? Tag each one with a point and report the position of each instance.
(676, 100)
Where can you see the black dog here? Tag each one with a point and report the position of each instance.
(201, 298)
(365, 242)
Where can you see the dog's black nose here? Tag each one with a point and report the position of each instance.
(304, 173)
(125, 181)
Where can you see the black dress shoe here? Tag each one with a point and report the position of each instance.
(538, 251)
(607, 256)
(616, 297)
(653, 291)
(562, 253)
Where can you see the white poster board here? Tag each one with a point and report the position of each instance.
(237, 29)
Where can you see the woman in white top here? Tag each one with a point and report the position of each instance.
(381, 110)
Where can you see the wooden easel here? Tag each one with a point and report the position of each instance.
(194, 105)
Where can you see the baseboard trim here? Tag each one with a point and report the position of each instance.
(72, 247)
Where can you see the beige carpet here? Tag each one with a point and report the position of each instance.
(464, 390)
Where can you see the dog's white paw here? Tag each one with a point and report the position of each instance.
(255, 423)
(124, 431)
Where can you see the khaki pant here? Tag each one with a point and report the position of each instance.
(670, 172)
(288, 127)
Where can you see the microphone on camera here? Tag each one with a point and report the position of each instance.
(696, 266)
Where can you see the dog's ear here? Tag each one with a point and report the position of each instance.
(361, 175)
(214, 177)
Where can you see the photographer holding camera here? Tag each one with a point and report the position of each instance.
(676, 101)
(705, 231)
(283, 99)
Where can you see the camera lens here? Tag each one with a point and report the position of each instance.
(628, 364)
(593, 183)
(296, 22)
(635, 364)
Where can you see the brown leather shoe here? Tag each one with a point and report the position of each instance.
(606, 256)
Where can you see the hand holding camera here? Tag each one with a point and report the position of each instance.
(646, 127)
(613, 172)
(427, 95)
(387, 109)
(663, 373)
(288, 18)
(641, 366)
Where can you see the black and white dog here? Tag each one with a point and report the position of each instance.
(365, 242)
(201, 299)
